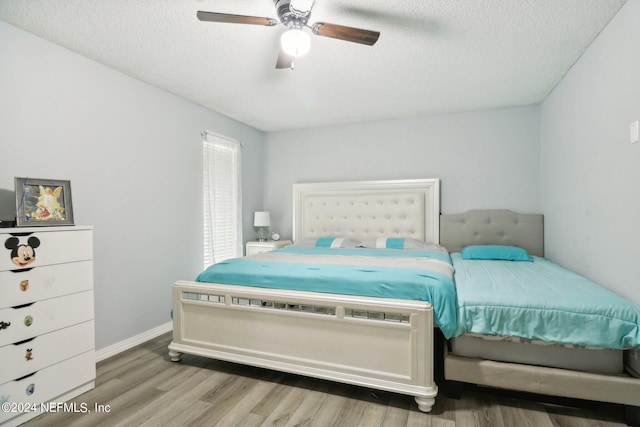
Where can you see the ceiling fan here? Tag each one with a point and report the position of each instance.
(294, 14)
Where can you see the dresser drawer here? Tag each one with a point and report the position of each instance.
(19, 287)
(23, 322)
(49, 383)
(37, 248)
(25, 357)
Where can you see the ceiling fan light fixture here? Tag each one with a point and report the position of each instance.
(295, 42)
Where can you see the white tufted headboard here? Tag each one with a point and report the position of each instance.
(367, 209)
(492, 227)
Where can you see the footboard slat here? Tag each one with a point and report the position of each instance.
(374, 342)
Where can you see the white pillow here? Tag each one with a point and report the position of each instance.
(326, 242)
(401, 243)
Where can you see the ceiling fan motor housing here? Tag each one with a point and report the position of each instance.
(289, 17)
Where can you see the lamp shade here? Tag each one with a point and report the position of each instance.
(261, 219)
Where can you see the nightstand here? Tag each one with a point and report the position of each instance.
(266, 246)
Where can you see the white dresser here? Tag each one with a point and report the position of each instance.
(47, 334)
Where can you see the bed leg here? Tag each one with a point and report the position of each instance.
(454, 389)
(632, 415)
(425, 403)
(175, 356)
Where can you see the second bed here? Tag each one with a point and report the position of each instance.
(527, 324)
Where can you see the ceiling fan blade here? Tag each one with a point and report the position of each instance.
(349, 34)
(284, 60)
(235, 19)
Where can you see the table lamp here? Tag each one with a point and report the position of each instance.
(261, 223)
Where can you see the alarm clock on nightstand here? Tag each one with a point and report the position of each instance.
(275, 236)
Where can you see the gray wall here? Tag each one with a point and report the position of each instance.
(589, 170)
(485, 159)
(133, 155)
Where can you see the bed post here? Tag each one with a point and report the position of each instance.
(425, 404)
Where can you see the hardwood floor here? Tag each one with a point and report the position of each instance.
(143, 387)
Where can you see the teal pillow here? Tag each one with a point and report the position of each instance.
(497, 252)
(327, 242)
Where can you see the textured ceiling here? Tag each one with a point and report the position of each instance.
(433, 56)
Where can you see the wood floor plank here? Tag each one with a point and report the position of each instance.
(143, 387)
(287, 407)
(173, 375)
(241, 413)
(251, 420)
(357, 401)
(420, 419)
(181, 412)
(376, 409)
(308, 409)
(491, 411)
(602, 416)
(525, 414)
(271, 401)
(444, 410)
(373, 415)
(330, 405)
(189, 406)
(466, 413)
(225, 399)
(398, 410)
(120, 407)
(136, 371)
(111, 387)
(145, 412)
(148, 350)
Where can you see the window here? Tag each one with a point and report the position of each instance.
(222, 199)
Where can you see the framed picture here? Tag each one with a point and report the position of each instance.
(43, 202)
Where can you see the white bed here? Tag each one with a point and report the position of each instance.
(584, 373)
(269, 327)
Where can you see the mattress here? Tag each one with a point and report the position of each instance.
(385, 273)
(605, 361)
(541, 301)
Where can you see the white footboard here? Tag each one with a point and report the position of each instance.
(373, 342)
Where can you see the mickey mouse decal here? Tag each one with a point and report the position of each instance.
(22, 255)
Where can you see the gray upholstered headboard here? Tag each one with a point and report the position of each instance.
(492, 227)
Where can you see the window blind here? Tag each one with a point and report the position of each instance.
(222, 199)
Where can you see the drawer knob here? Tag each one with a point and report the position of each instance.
(24, 285)
(4, 325)
(28, 321)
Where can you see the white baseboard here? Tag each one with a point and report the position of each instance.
(112, 350)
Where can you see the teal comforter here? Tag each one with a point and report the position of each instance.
(540, 300)
(384, 273)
